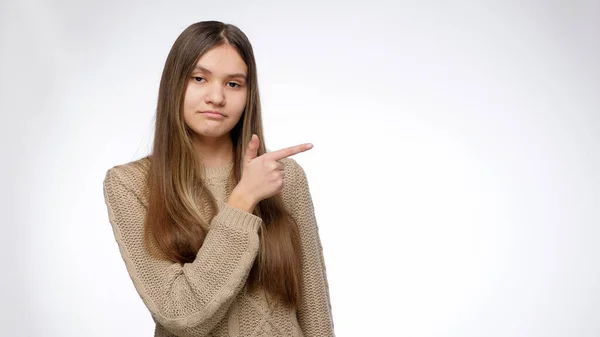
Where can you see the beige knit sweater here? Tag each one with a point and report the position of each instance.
(209, 297)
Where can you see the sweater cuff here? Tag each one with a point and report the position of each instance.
(236, 218)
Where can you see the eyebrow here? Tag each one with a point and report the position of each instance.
(201, 68)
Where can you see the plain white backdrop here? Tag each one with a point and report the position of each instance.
(455, 173)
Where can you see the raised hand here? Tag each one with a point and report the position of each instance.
(262, 176)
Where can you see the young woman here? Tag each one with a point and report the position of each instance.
(219, 236)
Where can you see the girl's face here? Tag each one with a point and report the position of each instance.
(218, 84)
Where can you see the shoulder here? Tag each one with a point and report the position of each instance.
(296, 183)
(132, 176)
(294, 172)
(130, 173)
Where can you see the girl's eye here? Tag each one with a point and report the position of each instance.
(197, 79)
(235, 85)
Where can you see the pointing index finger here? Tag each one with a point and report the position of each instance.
(290, 151)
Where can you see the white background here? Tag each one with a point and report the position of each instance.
(455, 173)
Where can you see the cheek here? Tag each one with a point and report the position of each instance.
(190, 100)
(240, 103)
(189, 106)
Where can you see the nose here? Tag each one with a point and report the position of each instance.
(215, 95)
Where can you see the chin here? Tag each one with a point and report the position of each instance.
(212, 133)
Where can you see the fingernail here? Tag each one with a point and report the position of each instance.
(309, 146)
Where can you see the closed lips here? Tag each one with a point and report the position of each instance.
(212, 112)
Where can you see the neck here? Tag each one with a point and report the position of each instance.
(214, 151)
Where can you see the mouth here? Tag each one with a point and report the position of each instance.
(212, 113)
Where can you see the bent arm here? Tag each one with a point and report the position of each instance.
(188, 299)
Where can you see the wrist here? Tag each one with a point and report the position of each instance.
(241, 200)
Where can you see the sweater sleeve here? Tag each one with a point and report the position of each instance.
(314, 314)
(188, 299)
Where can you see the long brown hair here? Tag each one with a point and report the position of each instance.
(180, 206)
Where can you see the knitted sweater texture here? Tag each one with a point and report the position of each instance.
(209, 296)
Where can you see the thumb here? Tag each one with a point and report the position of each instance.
(252, 150)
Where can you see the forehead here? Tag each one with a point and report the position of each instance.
(223, 60)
